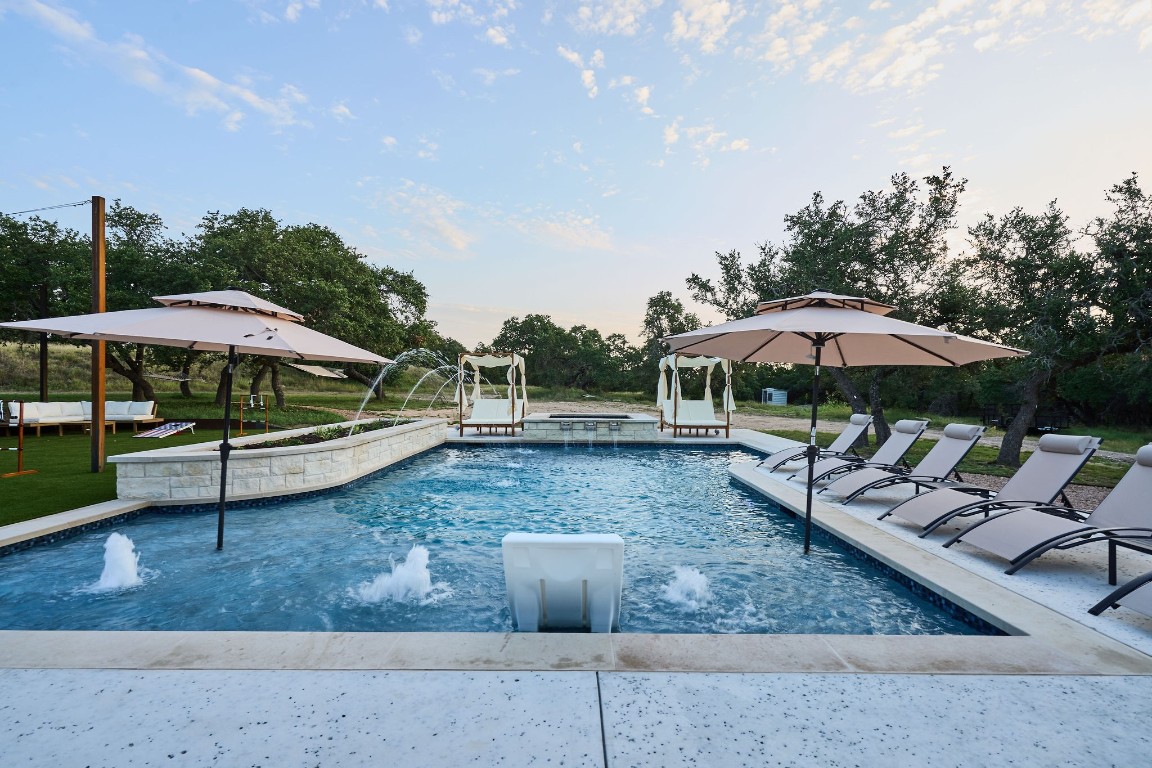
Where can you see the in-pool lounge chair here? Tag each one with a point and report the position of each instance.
(857, 424)
(932, 471)
(1136, 594)
(904, 433)
(1122, 519)
(1039, 481)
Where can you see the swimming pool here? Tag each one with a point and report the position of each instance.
(702, 555)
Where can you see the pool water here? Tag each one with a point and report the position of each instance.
(417, 548)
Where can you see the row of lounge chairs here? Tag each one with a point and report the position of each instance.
(1021, 521)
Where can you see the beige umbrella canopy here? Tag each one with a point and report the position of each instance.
(230, 321)
(841, 331)
(852, 332)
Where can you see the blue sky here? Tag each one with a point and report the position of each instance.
(569, 159)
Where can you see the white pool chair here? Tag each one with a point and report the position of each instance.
(564, 581)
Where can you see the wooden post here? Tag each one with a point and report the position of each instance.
(98, 305)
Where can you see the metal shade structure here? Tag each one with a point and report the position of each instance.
(230, 321)
(840, 331)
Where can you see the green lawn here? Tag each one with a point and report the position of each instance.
(63, 478)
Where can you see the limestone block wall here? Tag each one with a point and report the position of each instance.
(636, 428)
(191, 474)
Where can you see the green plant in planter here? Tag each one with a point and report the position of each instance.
(326, 433)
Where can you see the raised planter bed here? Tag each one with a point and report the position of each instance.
(190, 474)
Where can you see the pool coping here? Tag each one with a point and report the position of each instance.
(1041, 641)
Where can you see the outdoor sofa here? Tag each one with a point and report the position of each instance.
(38, 415)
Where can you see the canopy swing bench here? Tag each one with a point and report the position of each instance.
(494, 413)
(694, 415)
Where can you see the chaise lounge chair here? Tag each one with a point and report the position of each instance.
(1042, 478)
(1136, 595)
(857, 424)
(1022, 535)
(932, 471)
(904, 433)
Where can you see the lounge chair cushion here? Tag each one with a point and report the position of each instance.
(495, 411)
(962, 431)
(909, 426)
(1144, 456)
(1065, 443)
(860, 419)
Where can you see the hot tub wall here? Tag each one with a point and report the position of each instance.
(191, 474)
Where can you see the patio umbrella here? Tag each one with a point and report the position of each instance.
(842, 331)
(230, 321)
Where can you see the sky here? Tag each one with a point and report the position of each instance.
(565, 159)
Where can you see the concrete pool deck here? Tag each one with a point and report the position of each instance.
(1070, 691)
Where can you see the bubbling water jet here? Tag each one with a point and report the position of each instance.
(121, 564)
(408, 582)
(688, 589)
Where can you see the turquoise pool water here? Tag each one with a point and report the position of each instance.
(417, 548)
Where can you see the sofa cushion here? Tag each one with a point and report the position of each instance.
(140, 408)
(116, 408)
(72, 410)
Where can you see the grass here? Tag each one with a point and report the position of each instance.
(63, 465)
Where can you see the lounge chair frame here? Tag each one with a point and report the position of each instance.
(909, 430)
(1087, 532)
(990, 503)
(1113, 599)
(901, 476)
(842, 446)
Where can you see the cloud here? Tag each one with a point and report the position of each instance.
(705, 22)
(566, 230)
(413, 36)
(389, 142)
(427, 149)
(192, 88)
(489, 77)
(430, 218)
(642, 95)
(613, 17)
(341, 112)
(497, 36)
(587, 74)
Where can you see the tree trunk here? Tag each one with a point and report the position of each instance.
(258, 379)
(355, 375)
(138, 366)
(222, 387)
(879, 423)
(277, 388)
(133, 370)
(1013, 440)
(185, 378)
(852, 394)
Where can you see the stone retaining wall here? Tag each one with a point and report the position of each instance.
(637, 428)
(190, 474)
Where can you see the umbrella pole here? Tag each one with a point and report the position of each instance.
(225, 446)
(813, 451)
